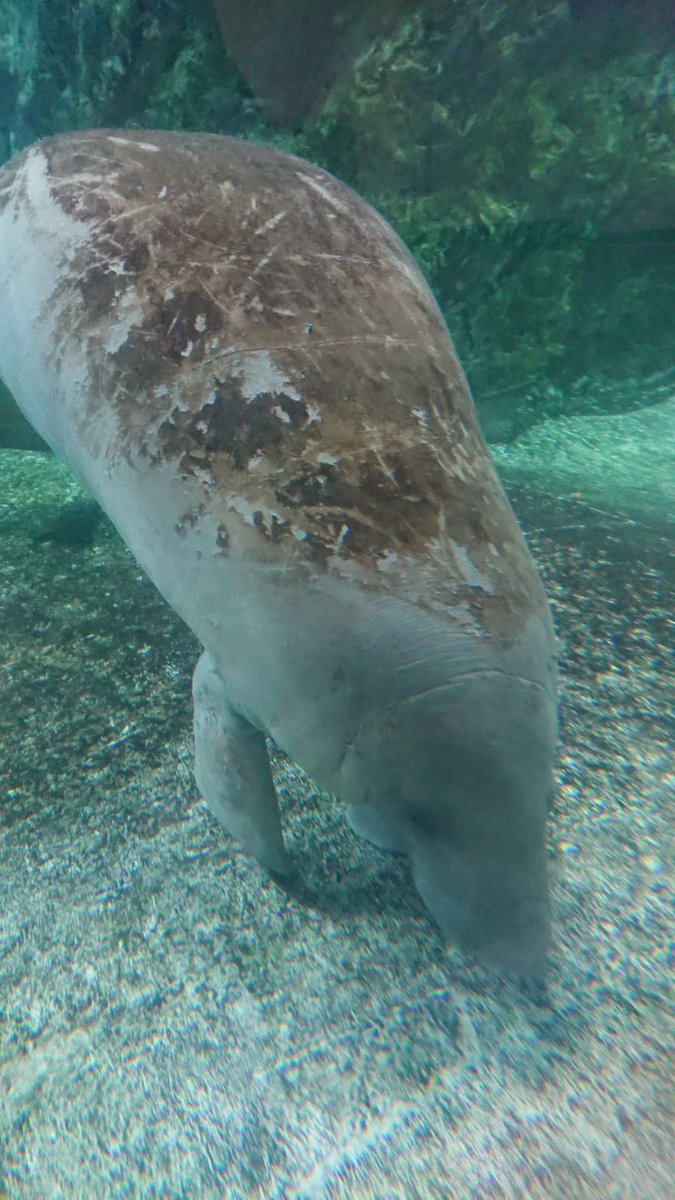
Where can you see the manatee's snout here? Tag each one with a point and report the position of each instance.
(525, 950)
(465, 775)
(503, 923)
(479, 853)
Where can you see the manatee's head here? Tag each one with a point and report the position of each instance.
(460, 779)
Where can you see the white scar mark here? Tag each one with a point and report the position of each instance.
(218, 303)
(133, 212)
(120, 141)
(315, 344)
(325, 193)
(468, 569)
(264, 262)
(414, 662)
(343, 534)
(340, 514)
(459, 677)
(385, 469)
(302, 260)
(193, 237)
(271, 224)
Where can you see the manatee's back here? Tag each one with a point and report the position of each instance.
(242, 318)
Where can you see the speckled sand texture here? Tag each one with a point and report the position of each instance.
(174, 1025)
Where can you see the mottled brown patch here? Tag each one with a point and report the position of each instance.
(184, 322)
(229, 423)
(346, 508)
(189, 306)
(98, 286)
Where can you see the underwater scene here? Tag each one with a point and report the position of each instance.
(336, 787)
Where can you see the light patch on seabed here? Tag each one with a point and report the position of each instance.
(174, 1024)
(624, 463)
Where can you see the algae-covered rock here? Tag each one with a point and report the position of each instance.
(115, 62)
(525, 152)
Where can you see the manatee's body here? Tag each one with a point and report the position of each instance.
(242, 362)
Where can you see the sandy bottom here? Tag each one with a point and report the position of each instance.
(173, 1024)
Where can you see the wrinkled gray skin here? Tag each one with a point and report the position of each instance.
(238, 357)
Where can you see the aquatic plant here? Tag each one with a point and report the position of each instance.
(114, 62)
(528, 164)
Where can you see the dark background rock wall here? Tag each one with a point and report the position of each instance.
(524, 149)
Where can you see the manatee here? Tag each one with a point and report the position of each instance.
(239, 358)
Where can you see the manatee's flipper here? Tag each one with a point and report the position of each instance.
(233, 773)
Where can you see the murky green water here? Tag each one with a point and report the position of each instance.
(175, 1023)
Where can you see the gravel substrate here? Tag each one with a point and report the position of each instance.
(173, 1024)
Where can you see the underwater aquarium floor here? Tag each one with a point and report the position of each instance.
(174, 1024)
